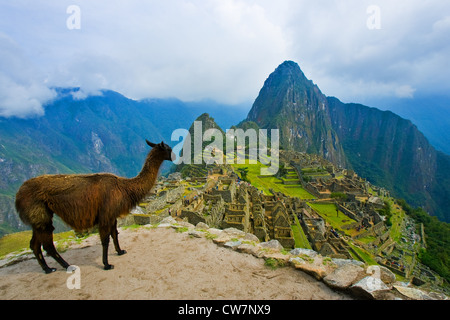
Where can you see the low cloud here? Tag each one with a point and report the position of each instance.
(191, 50)
(405, 91)
(22, 91)
(220, 49)
(404, 57)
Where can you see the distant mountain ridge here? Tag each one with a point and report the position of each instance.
(107, 132)
(103, 133)
(428, 112)
(381, 146)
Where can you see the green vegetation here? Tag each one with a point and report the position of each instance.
(300, 238)
(244, 172)
(282, 171)
(387, 212)
(265, 183)
(367, 257)
(20, 241)
(6, 229)
(339, 196)
(336, 218)
(437, 254)
(274, 263)
(182, 229)
(396, 219)
(132, 226)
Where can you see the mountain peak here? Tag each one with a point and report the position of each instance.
(288, 71)
(289, 64)
(293, 104)
(285, 86)
(207, 121)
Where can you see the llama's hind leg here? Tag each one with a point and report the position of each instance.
(114, 235)
(49, 247)
(104, 238)
(35, 245)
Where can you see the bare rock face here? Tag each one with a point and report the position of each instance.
(296, 106)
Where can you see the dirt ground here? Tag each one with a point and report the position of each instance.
(160, 264)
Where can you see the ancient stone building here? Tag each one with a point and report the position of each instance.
(281, 229)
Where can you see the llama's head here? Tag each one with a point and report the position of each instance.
(164, 149)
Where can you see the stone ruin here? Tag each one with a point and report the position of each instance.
(222, 201)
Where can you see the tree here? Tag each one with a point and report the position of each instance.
(387, 212)
(244, 172)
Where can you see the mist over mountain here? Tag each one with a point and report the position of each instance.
(379, 145)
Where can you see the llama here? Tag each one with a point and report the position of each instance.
(83, 201)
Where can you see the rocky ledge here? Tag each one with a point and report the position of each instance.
(351, 276)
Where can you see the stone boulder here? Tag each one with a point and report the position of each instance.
(272, 244)
(413, 293)
(318, 267)
(369, 288)
(342, 262)
(231, 235)
(232, 244)
(387, 276)
(254, 250)
(168, 221)
(196, 233)
(345, 276)
(251, 237)
(302, 251)
(277, 255)
(222, 238)
(233, 232)
(201, 226)
(214, 231)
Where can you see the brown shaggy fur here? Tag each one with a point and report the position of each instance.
(83, 201)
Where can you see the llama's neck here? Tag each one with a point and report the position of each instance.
(145, 180)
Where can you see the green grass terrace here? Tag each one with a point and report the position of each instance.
(265, 183)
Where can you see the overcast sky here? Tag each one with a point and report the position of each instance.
(220, 49)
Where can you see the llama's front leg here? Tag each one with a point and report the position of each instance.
(114, 235)
(104, 237)
(48, 245)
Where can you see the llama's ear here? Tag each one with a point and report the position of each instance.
(150, 144)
